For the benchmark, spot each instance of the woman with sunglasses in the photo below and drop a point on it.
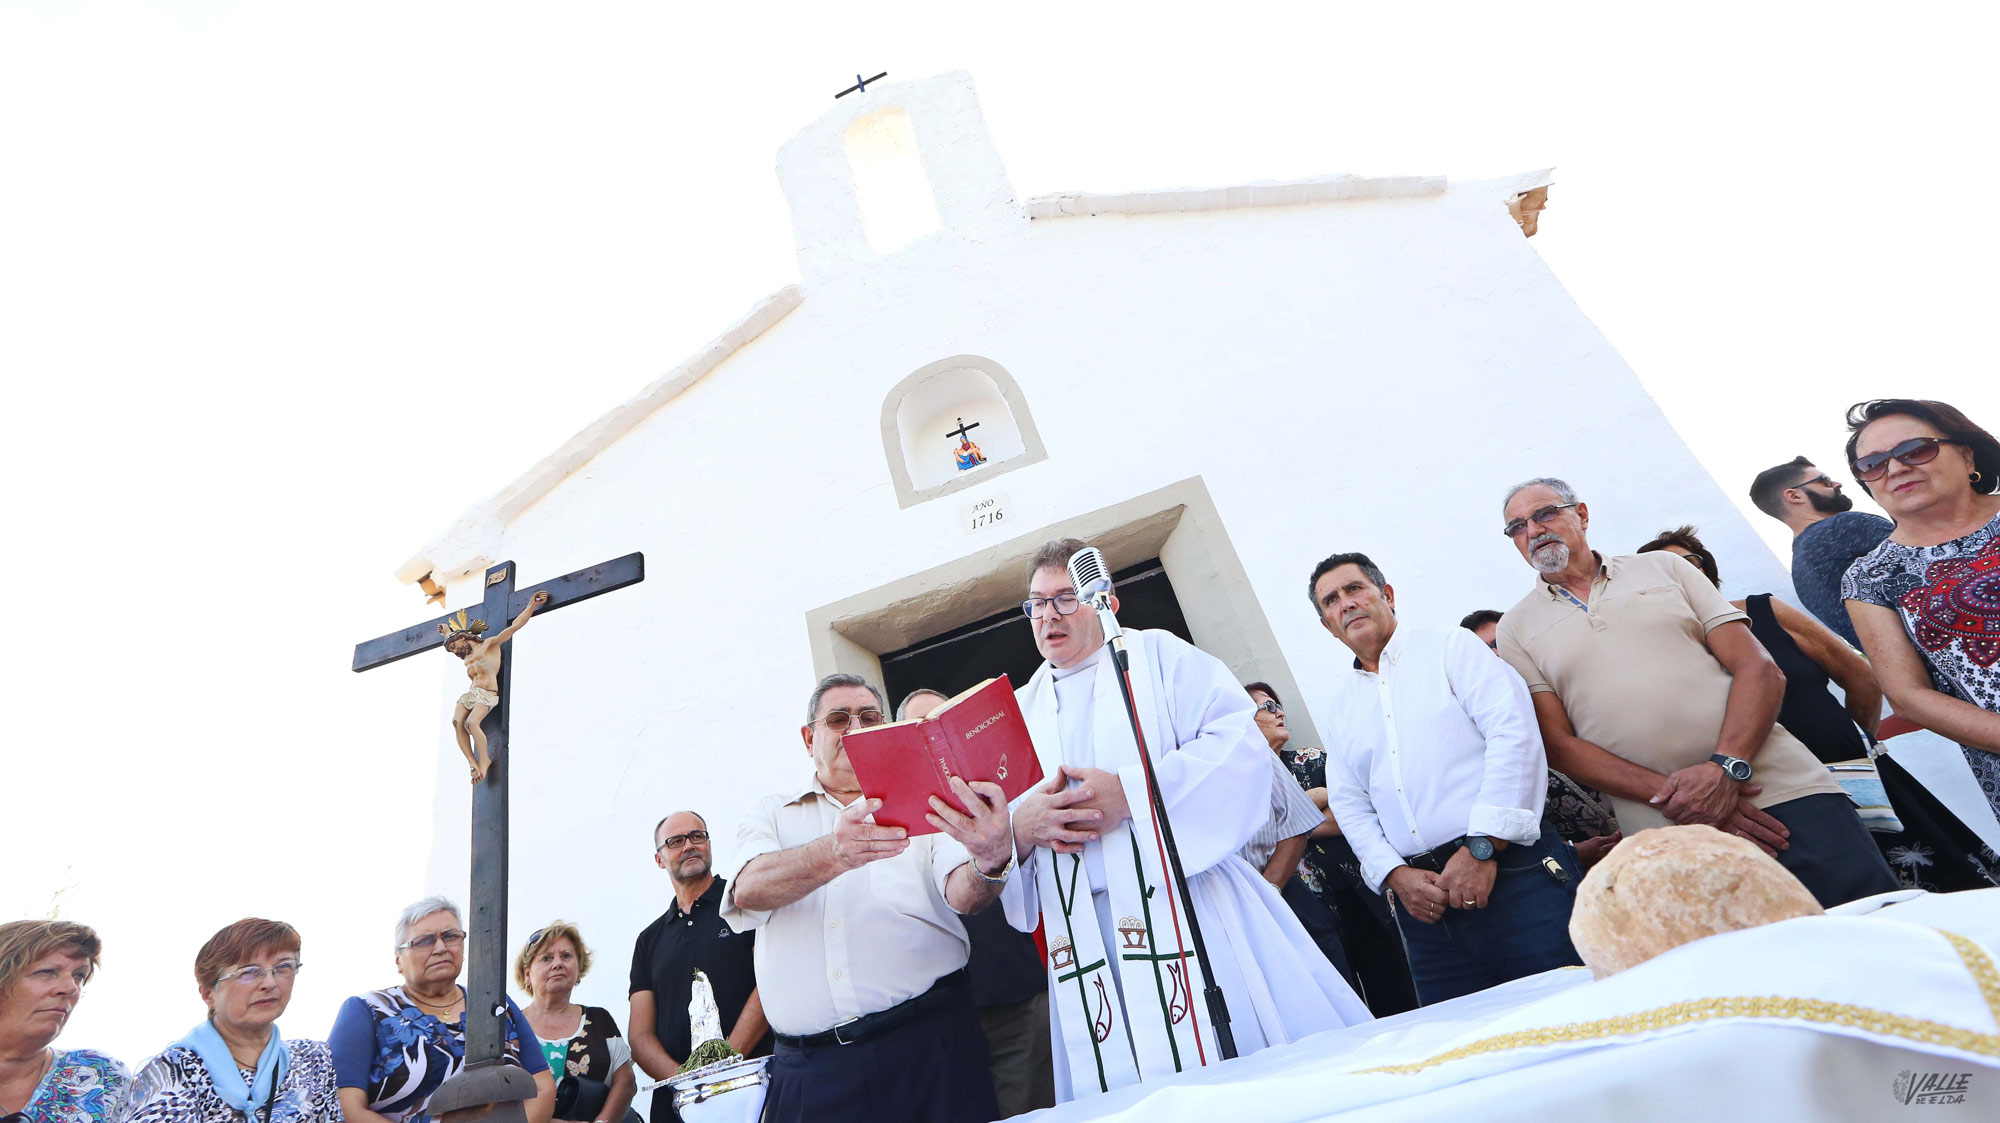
(43, 967)
(590, 1061)
(393, 1048)
(1926, 602)
(1926, 846)
(235, 1067)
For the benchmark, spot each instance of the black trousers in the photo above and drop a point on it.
(932, 1068)
(1831, 852)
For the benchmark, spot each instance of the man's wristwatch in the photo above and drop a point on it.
(1480, 846)
(1735, 769)
(995, 878)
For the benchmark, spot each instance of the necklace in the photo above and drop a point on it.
(431, 1007)
(47, 1064)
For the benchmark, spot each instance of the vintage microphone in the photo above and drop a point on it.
(1092, 580)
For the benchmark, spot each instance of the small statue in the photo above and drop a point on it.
(482, 666)
(968, 454)
(705, 1027)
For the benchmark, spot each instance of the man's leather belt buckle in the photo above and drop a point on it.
(839, 1038)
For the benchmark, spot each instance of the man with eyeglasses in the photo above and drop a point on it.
(1649, 687)
(1828, 535)
(1116, 957)
(860, 951)
(690, 936)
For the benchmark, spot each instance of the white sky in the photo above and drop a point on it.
(285, 287)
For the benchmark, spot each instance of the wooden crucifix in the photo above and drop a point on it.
(485, 1082)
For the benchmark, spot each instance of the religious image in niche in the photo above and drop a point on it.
(467, 639)
(967, 453)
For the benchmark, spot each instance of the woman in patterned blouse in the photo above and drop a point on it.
(43, 966)
(394, 1048)
(580, 1042)
(235, 1067)
(1926, 602)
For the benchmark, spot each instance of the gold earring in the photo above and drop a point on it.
(1976, 477)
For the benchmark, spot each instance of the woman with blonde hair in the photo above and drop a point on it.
(590, 1060)
(43, 966)
(235, 1067)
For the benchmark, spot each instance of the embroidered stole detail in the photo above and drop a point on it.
(1158, 980)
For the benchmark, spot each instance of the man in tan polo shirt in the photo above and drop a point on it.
(1649, 687)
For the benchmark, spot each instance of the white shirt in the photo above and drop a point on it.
(1441, 743)
(861, 943)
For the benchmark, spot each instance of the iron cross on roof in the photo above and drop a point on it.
(860, 85)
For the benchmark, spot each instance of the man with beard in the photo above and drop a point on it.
(690, 936)
(1828, 534)
(1649, 687)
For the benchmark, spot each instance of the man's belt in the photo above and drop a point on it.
(947, 990)
(1432, 861)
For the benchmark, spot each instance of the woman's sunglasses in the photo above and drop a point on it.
(1915, 451)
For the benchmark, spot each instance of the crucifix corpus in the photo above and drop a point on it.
(486, 1088)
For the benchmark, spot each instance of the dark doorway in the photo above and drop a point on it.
(1004, 643)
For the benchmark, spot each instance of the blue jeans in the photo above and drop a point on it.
(1523, 930)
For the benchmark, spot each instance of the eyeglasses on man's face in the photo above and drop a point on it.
(676, 841)
(451, 937)
(1915, 451)
(1065, 604)
(252, 975)
(1822, 478)
(1271, 706)
(840, 720)
(1541, 516)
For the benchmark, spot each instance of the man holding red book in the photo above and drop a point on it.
(1124, 983)
(860, 952)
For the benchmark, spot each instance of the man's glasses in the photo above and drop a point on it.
(1822, 478)
(840, 720)
(1915, 451)
(1542, 516)
(1271, 707)
(676, 841)
(451, 938)
(1693, 559)
(252, 975)
(1065, 604)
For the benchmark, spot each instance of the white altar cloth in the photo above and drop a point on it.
(1834, 1017)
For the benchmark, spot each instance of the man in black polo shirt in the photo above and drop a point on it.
(690, 936)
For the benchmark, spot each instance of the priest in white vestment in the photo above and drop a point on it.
(1126, 992)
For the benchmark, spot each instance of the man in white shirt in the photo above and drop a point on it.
(1436, 776)
(1126, 989)
(860, 951)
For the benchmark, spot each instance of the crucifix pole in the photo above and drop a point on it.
(486, 1088)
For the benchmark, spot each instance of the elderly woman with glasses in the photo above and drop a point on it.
(582, 1043)
(234, 1067)
(393, 1048)
(43, 966)
(1926, 602)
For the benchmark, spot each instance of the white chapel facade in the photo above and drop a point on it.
(1217, 386)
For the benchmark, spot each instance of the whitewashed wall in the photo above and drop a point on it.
(1344, 375)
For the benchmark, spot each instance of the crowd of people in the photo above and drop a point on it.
(1432, 848)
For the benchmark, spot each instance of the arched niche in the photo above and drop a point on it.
(920, 415)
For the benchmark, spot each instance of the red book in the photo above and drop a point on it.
(979, 735)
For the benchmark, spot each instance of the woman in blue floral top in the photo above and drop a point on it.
(393, 1048)
(43, 966)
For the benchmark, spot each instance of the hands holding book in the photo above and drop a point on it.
(986, 833)
(857, 841)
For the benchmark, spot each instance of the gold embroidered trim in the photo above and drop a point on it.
(1976, 961)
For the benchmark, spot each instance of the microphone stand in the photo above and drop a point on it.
(1218, 1007)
